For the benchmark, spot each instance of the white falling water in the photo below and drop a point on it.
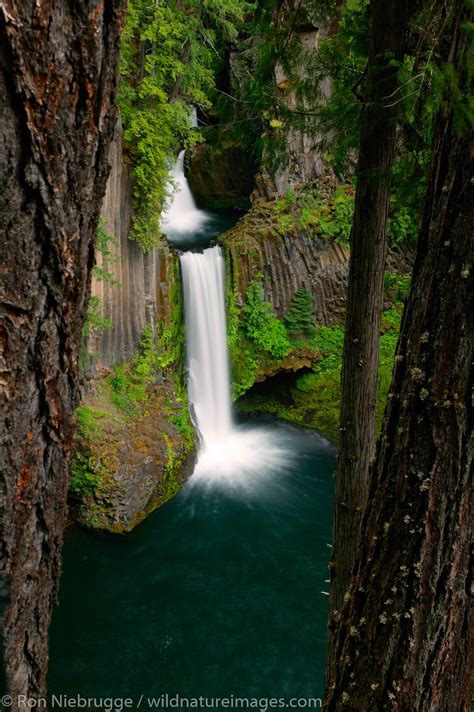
(208, 370)
(194, 118)
(182, 216)
(227, 453)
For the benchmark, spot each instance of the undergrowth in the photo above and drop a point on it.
(313, 398)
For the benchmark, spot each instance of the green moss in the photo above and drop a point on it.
(89, 420)
(129, 382)
(170, 333)
(143, 402)
(85, 477)
(313, 398)
(244, 362)
(178, 414)
(329, 217)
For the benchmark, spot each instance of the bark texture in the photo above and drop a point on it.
(403, 641)
(365, 294)
(58, 63)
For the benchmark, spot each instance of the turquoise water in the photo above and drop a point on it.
(216, 593)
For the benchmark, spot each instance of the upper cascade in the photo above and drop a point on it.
(194, 118)
(182, 216)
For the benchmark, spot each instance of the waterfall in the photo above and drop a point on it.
(207, 361)
(227, 453)
(230, 454)
(182, 216)
(194, 118)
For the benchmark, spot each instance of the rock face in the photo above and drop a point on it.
(287, 262)
(139, 462)
(142, 295)
(301, 159)
(284, 260)
(220, 177)
(135, 463)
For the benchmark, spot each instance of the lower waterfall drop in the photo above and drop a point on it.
(227, 452)
(208, 370)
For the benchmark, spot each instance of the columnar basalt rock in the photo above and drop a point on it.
(143, 281)
(219, 177)
(301, 159)
(257, 250)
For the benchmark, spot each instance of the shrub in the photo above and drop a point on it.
(129, 382)
(84, 479)
(262, 325)
(396, 286)
(403, 226)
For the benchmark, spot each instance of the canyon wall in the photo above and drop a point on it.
(135, 444)
(257, 249)
(301, 159)
(220, 177)
(141, 295)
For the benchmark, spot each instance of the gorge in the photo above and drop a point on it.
(255, 512)
(235, 242)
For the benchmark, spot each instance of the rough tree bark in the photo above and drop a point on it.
(58, 61)
(389, 19)
(403, 640)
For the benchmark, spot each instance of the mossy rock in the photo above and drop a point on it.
(136, 463)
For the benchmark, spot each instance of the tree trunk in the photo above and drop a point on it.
(403, 641)
(58, 63)
(365, 297)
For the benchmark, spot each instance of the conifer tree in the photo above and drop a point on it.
(300, 318)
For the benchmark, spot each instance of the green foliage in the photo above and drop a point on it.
(170, 343)
(396, 286)
(180, 416)
(333, 218)
(169, 57)
(312, 399)
(300, 319)
(84, 479)
(261, 324)
(103, 246)
(329, 342)
(85, 474)
(329, 217)
(283, 204)
(88, 420)
(95, 322)
(182, 421)
(129, 382)
(403, 226)
(391, 319)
